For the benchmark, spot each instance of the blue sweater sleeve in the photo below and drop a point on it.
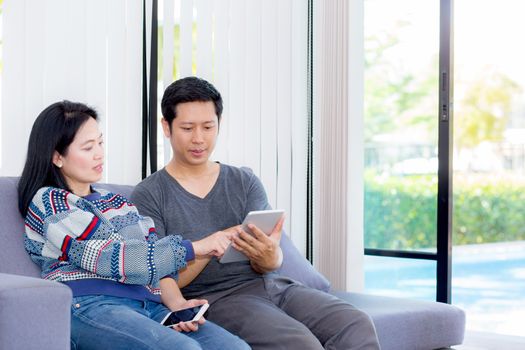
(87, 239)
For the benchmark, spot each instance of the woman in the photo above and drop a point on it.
(96, 243)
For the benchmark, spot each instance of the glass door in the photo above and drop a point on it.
(401, 145)
(489, 165)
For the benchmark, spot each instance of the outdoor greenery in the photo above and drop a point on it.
(489, 209)
(483, 113)
(401, 211)
(400, 104)
(400, 214)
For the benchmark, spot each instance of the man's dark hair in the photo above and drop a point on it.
(189, 89)
(54, 130)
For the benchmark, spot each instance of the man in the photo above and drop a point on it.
(195, 197)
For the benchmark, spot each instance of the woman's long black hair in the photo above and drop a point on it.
(54, 130)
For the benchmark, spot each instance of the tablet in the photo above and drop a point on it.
(265, 220)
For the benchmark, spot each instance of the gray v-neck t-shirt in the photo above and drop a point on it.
(174, 210)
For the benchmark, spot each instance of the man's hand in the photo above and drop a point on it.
(263, 250)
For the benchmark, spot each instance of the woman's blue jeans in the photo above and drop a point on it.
(106, 322)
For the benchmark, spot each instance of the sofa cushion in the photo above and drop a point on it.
(298, 268)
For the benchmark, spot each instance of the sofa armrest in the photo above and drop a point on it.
(410, 324)
(34, 313)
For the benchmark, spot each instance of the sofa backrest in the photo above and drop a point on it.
(15, 260)
(13, 256)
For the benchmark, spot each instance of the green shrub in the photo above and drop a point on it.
(400, 211)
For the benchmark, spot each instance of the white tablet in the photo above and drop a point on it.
(265, 220)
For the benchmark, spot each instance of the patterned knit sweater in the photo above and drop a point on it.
(72, 238)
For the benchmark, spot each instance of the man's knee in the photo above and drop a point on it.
(357, 331)
(298, 338)
(355, 321)
(363, 319)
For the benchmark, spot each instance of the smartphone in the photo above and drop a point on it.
(192, 314)
(201, 312)
(265, 220)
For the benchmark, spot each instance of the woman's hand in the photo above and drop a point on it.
(190, 326)
(213, 245)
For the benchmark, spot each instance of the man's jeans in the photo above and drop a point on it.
(106, 322)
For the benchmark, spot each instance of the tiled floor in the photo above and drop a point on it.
(491, 341)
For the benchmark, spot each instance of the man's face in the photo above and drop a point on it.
(193, 132)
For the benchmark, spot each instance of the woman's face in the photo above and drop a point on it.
(82, 163)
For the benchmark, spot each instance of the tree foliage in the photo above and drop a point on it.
(483, 112)
(396, 96)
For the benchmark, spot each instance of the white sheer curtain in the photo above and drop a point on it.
(255, 53)
(85, 50)
(338, 156)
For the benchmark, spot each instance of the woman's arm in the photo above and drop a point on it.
(64, 230)
(173, 299)
(170, 295)
(191, 271)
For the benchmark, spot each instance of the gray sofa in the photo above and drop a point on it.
(34, 313)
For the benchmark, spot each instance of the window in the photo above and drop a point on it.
(489, 166)
(404, 146)
(401, 135)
